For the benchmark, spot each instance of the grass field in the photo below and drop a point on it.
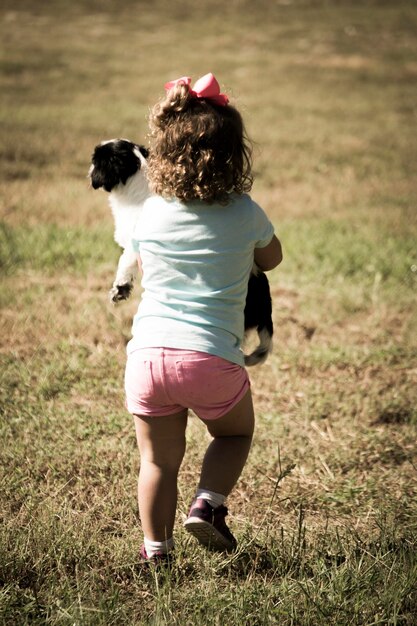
(326, 509)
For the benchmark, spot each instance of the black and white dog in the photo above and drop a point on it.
(119, 166)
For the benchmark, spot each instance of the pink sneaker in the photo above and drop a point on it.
(208, 525)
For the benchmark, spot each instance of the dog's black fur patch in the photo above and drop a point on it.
(258, 308)
(114, 163)
(258, 312)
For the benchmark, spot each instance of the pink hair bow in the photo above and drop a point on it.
(205, 87)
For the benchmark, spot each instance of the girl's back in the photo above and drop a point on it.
(196, 260)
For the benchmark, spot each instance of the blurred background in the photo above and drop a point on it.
(327, 89)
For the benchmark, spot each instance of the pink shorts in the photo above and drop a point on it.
(164, 381)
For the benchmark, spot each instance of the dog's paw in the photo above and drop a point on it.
(120, 292)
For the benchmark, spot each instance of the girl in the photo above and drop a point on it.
(197, 239)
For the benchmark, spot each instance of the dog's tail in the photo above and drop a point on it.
(258, 316)
(260, 354)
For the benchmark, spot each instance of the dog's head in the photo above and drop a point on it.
(114, 162)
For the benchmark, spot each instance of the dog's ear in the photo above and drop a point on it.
(102, 177)
(144, 151)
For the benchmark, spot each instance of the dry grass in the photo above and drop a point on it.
(325, 511)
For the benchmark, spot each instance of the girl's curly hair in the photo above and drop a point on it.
(199, 149)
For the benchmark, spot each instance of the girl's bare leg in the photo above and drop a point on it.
(226, 455)
(161, 442)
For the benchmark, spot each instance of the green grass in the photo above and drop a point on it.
(325, 511)
(51, 248)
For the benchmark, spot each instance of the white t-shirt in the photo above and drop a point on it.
(196, 261)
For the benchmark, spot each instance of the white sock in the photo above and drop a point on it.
(213, 498)
(152, 547)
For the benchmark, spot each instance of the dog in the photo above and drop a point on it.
(119, 167)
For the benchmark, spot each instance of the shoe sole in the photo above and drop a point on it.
(207, 534)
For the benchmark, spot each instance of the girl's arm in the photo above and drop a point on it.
(269, 257)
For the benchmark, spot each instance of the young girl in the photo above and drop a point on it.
(197, 239)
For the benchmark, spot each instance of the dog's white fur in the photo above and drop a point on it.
(125, 203)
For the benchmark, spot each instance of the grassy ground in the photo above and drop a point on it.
(325, 512)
